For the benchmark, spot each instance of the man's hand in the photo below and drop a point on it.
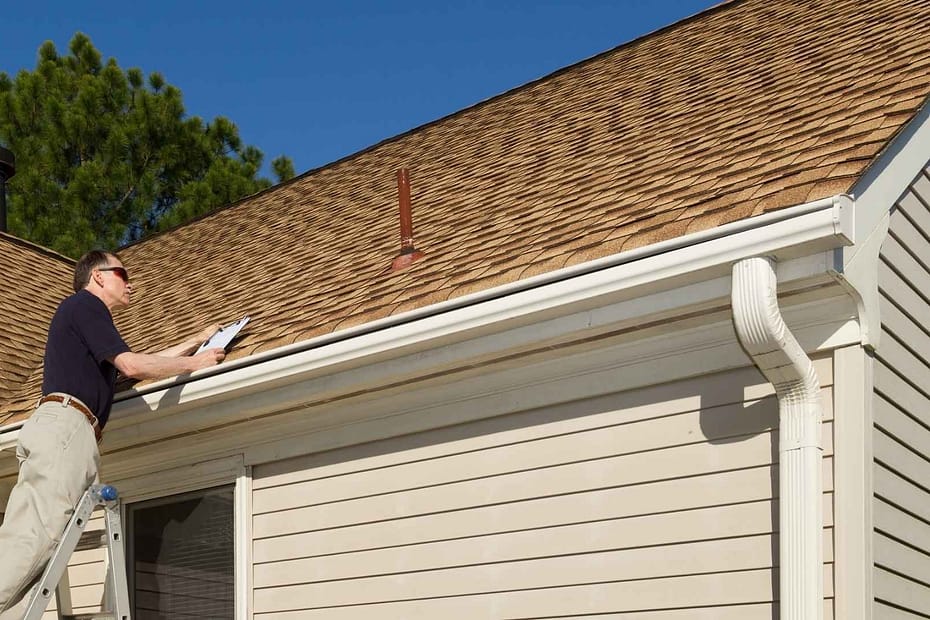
(210, 357)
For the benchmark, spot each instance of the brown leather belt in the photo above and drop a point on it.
(75, 404)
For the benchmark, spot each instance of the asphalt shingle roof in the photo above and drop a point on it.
(749, 107)
(34, 280)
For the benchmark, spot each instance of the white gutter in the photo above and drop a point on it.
(776, 352)
(804, 229)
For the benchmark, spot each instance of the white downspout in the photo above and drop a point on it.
(763, 333)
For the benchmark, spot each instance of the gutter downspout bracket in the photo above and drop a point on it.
(775, 351)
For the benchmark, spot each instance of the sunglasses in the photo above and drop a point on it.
(121, 272)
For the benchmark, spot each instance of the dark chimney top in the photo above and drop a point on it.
(7, 170)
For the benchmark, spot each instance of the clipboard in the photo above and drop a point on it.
(223, 336)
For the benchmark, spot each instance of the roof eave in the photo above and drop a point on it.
(805, 229)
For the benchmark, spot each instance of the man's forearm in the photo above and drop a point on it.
(185, 348)
(191, 344)
(145, 366)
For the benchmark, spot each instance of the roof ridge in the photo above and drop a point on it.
(572, 67)
(41, 249)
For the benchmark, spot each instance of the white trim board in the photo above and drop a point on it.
(853, 493)
(242, 521)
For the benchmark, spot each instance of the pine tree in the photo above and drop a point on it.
(105, 156)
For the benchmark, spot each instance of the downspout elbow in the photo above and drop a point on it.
(778, 355)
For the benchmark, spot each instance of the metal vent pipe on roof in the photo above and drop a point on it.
(408, 253)
(7, 170)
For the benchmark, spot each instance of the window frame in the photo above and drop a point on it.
(196, 477)
(130, 508)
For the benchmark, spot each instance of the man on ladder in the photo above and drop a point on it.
(57, 447)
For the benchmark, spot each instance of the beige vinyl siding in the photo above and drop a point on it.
(655, 503)
(901, 435)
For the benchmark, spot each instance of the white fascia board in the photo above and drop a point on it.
(648, 282)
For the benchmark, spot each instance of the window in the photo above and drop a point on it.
(182, 555)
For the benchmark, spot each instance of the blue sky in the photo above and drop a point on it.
(322, 80)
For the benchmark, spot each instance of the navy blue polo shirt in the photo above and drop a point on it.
(81, 337)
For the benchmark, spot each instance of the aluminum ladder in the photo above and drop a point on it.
(56, 575)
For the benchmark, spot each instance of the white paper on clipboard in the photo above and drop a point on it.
(223, 336)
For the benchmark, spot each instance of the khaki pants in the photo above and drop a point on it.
(58, 460)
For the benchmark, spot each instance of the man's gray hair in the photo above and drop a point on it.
(86, 265)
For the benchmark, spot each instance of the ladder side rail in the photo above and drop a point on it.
(58, 563)
(116, 555)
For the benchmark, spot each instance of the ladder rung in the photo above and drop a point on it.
(104, 615)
